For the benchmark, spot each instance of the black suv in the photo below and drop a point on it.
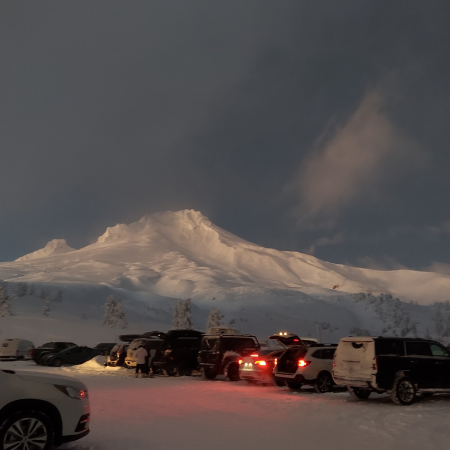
(180, 354)
(400, 366)
(176, 353)
(220, 354)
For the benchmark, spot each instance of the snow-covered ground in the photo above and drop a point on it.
(192, 413)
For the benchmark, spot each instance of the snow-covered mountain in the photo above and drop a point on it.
(171, 255)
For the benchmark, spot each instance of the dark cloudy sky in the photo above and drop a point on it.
(318, 126)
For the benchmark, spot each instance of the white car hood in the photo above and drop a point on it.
(49, 378)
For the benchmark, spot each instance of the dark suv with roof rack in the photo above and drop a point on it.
(401, 366)
(220, 354)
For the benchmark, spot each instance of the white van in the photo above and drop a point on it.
(15, 349)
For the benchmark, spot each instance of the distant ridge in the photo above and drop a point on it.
(183, 254)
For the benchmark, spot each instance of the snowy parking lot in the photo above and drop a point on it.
(192, 413)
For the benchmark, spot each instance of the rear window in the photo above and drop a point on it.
(5, 344)
(388, 347)
(208, 344)
(115, 348)
(238, 344)
(185, 342)
(418, 349)
(48, 345)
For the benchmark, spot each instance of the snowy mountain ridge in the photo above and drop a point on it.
(172, 255)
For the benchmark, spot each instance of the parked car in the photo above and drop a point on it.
(15, 349)
(38, 410)
(153, 345)
(117, 355)
(50, 347)
(306, 364)
(401, 366)
(180, 353)
(220, 354)
(259, 366)
(70, 356)
(105, 347)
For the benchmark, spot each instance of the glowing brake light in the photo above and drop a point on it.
(375, 363)
(275, 361)
(240, 361)
(254, 355)
(303, 363)
(261, 363)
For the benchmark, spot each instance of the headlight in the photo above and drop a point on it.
(73, 392)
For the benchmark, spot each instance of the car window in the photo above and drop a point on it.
(70, 345)
(49, 345)
(388, 347)
(238, 344)
(418, 348)
(438, 350)
(185, 342)
(208, 344)
(318, 354)
(329, 353)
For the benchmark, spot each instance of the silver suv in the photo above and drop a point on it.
(302, 364)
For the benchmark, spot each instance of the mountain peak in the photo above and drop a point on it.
(153, 224)
(54, 247)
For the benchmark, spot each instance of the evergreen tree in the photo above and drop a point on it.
(182, 317)
(59, 295)
(5, 305)
(214, 319)
(22, 289)
(114, 313)
(47, 307)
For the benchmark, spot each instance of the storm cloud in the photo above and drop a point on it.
(261, 114)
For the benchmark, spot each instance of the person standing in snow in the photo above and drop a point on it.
(141, 361)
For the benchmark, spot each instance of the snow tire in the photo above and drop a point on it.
(403, 392)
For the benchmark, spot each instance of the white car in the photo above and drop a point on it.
(305, 364)
(38, 410)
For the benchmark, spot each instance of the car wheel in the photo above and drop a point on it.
(232, 371)
(403, 392)
(324, 383)
(210, 374)
(359, 394)
(294, 385)
(25, 430)
(57, 362)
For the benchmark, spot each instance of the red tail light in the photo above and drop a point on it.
(254, 355)
(240, 361)
(261, 363)
(275, 361)
(303, 363)
(119, 352)
(375, 363)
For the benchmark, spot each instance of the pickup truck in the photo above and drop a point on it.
(50, 347)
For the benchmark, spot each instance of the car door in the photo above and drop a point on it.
(73, 355)
(442, 365)
(422, 364)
